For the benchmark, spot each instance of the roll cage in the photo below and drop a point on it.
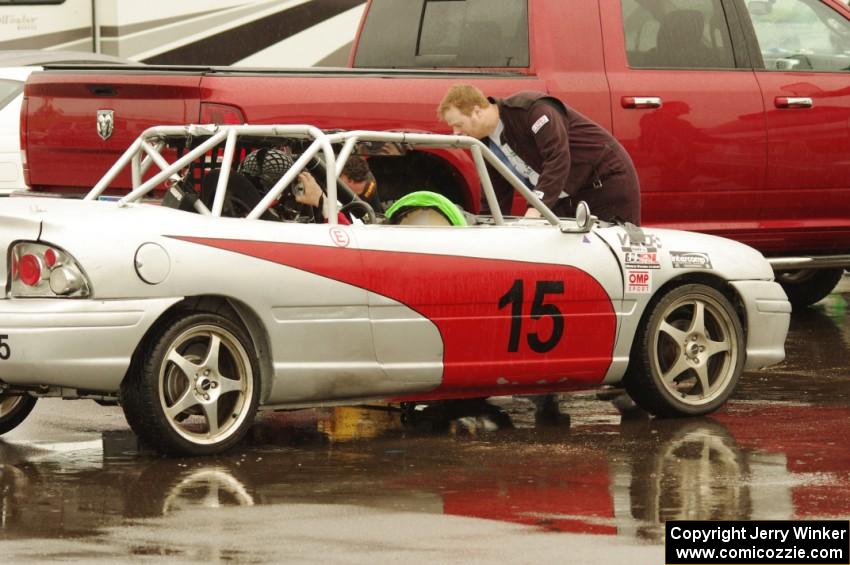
(196, 141)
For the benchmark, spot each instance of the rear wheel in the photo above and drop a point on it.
(689, 355)
(804, 287)
(196, 388)
(14, 409)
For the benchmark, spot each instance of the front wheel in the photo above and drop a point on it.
(196, 387)
(14, 409)
(689, 355)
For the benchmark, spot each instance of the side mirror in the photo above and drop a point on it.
(584, 220)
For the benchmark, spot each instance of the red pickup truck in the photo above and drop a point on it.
(736, 113)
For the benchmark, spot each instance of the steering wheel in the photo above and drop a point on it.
(366, 212)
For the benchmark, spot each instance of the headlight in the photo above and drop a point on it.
(39, 270)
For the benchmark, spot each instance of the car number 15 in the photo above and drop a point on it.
(5, 350)
(539, 309)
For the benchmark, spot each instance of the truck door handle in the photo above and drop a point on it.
(640, 102)
(103, 90)
(793, 102)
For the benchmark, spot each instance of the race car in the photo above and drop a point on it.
(225, 296)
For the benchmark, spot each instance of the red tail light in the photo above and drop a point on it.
(45, 271)
(29, 269)
(221, 114)
(23, 134)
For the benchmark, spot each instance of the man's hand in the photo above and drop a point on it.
(312, 193)
(533, 213)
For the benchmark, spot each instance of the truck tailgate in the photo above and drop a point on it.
(63, 138)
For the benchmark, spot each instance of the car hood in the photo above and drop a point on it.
(679, 252)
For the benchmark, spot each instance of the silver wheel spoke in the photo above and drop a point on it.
(211, 413)
(211, 362)
(229, 385)
(676, 334)
(702, 374)
(677, 369)
(698, 321)
(715, 347)
(186, 401)
(189, 369)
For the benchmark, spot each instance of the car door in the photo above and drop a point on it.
(687, 107)
(489, 308)
(801, 51)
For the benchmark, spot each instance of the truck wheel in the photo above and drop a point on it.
(807, 286)
(689, 355)
(196, 387)
(14, 409)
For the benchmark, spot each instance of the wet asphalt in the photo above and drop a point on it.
(475, 484)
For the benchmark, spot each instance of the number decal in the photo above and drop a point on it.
(539, 309)
(5, 350)
(514, 297)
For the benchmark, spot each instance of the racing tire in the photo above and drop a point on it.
(804, 287)
(688, 355)
(195, 388)
(14, 409)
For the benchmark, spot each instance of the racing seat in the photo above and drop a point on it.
(425, 208)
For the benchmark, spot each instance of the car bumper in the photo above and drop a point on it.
(768, 317)
(78, 344)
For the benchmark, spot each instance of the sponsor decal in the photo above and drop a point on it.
(105, 123)
(642, 260)
(690, 260)
(650, 243)
(542, 121)
(639, 282)
(340, 237)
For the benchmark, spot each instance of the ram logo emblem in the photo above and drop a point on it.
(105, 123)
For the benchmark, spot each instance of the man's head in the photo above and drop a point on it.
(468, 112)
(357, 176)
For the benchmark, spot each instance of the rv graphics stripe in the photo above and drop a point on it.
(235, 44)
(493, 315)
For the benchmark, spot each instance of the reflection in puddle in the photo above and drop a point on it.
(625, 479)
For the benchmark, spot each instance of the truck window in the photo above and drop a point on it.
(800, 35)
(444, 33)
(677, 34)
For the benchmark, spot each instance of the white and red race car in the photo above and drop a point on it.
(194, 320)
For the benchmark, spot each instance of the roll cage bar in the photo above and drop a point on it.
(146, 150)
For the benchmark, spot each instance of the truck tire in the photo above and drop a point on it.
(804, 287)
(195, 388)
(688, 355)
(14, 409)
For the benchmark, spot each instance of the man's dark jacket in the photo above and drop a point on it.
(572, 155)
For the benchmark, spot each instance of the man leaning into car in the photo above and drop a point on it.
(561, 155)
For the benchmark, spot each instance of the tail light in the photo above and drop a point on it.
(23, 135)
(45, 271)
(221, 114)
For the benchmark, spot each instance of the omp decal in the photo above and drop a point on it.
(499, 319)
(339, 237)
(641, 260)
(690, 260)
(639, 282)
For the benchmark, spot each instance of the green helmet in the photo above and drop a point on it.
(426, 199)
